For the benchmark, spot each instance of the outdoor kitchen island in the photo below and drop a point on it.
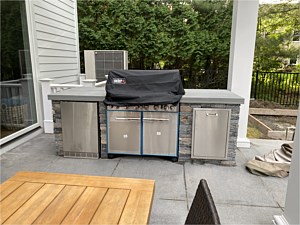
(213, 140)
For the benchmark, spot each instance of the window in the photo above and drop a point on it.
(18, 109)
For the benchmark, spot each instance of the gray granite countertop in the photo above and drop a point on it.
(211, 96)
(88, 94)
(80, 94)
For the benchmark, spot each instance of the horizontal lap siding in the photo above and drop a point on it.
(56, 40)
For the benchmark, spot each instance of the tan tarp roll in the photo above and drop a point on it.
(275, 163)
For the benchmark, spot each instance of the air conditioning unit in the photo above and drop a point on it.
(99, 62)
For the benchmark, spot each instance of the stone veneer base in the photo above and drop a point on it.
(185, 131)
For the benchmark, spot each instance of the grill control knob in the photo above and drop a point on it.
(156, 107)
(166, 107)
(111, 106)
(171, 107)
(146, 107)
(137, 107)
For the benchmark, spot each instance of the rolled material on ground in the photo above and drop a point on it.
(275, 163)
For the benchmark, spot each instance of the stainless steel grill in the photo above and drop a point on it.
(143, 112)
(143, 130)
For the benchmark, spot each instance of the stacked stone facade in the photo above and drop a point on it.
(102, 123)
(56, 110)
(185, 131)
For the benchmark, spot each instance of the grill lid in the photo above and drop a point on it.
(143, 87)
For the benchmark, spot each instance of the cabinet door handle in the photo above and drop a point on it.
(212, 114)
(155, 119)
(122, 118)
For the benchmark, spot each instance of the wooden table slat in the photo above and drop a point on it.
(68, 196)
(80, 213)
(49, 198)
(16, 199)
(39, 201)
(8, 187)
(111, 207)
(134, 212)
(82, 180)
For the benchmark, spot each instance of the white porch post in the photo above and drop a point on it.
(82, 77)
(292, 205)
(47, 106)
(243, 36)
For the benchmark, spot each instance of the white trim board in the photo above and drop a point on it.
(15, 143)
(280, 220)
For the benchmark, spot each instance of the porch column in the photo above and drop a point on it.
(47, 105)
(292, 204)
(243, 34)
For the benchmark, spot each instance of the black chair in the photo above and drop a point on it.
(203, 209)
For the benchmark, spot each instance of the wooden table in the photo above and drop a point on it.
(49, 198)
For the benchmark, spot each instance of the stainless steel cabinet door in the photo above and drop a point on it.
(79, 128)
(210, 133)
(160, 133)
(124, 129)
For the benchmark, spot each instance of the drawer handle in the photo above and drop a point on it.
(212, 114)
(122, 118)
(155, 119)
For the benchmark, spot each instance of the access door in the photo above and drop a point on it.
(124, 128)
(160, 133)
(80, 129)
(210, 133)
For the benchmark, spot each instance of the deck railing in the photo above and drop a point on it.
(11, 89)
(17, 92)
(278, 87)
(16, 99)
(48, 87)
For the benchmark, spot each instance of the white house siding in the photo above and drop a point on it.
(55, 32)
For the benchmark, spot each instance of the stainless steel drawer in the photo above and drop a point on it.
(210, 133)
(124, 128)
(80, 129)
(160, 133)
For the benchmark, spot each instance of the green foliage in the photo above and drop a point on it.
(276, 26)
(193, 36)
(11, 39)
(297, 69)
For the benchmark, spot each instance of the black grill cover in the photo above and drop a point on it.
(143, 87)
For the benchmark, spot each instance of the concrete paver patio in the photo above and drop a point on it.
(240, 197)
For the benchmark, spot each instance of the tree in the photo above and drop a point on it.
(213, 42)
(11, 40)
(193, 36)
(276, 26)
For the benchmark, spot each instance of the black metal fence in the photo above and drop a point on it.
(282, 88)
